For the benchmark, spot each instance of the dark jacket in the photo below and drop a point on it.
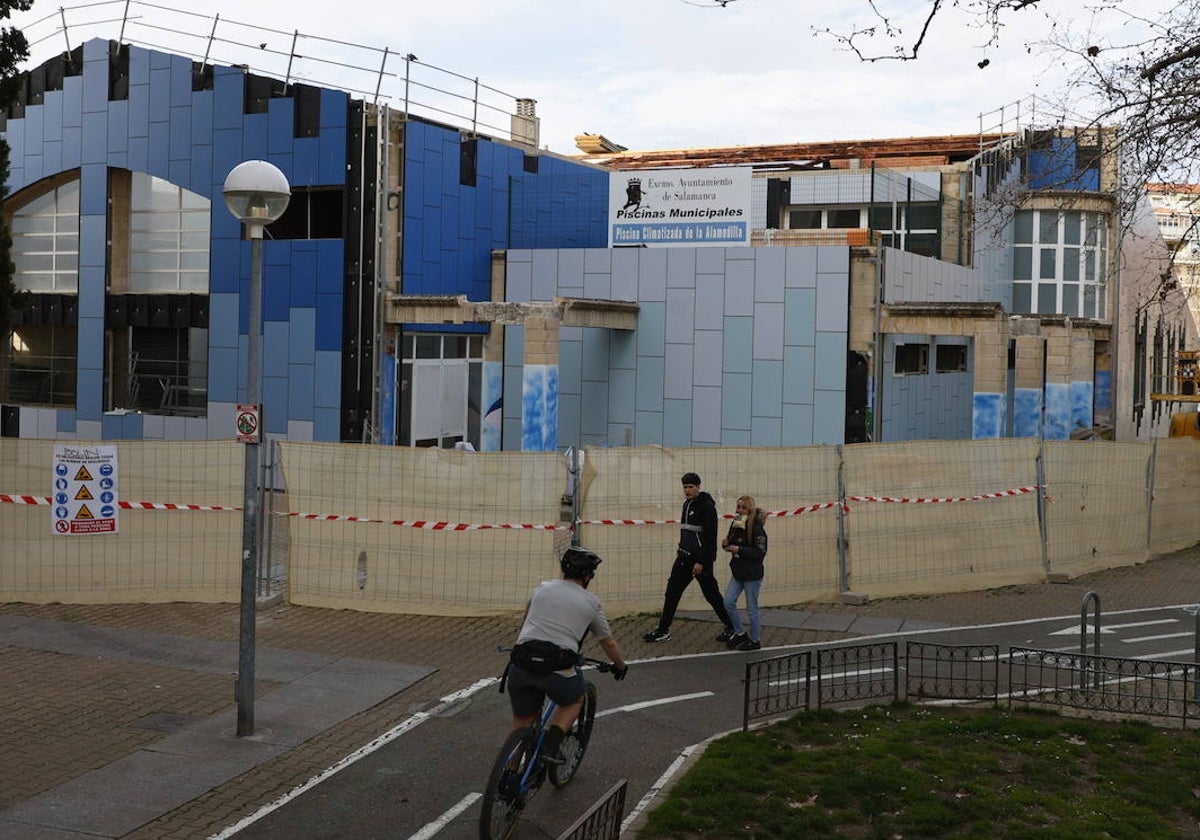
(698, 529)
(747, 564)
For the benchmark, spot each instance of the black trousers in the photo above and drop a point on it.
(681, 576)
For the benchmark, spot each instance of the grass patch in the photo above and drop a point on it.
(903, 771)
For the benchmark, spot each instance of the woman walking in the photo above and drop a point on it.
(746, 543)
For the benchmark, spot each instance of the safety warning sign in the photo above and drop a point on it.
(85, 490)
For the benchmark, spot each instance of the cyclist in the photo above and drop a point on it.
(558, 616)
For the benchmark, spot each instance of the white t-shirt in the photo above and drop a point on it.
(561, 611)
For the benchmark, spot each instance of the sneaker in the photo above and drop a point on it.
(736, 639)
(725, 635)
(551, 758)
(749, 645)
(657, 635)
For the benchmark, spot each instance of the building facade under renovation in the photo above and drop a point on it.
(434, 285)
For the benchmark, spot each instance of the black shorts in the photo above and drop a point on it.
(526, 690)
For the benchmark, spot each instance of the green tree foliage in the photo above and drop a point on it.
(14, 49)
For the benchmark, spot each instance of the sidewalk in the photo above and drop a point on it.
(118, 721)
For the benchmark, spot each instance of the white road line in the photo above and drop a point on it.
(646, 704)
(1169, 653)
(1141, 623)
(1156, 638)
(832, 676)
(362, 752)
(441, 822)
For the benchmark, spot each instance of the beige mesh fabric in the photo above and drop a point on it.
(925, 547)
(390, 564)
(158, 555)
(1175, 517)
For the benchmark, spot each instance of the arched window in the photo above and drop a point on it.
(45, 247)
(168, 237)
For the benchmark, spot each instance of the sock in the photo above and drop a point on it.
(553, 742)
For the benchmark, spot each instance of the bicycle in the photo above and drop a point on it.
(518, 773)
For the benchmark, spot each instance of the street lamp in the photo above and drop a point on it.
(257, 193)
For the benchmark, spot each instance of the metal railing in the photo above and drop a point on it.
(378, 74)
(603, 820)
(30, 379)
(952, 672)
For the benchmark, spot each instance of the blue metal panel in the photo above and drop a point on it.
(333, 110)
(331, 167)
(281, 121)
(300, 392)
(275, 404)
(306, 162)
(736, 403)
(139, 110)
(224, 260)
(327, 425)
(181, 81)
(91, 344)
(329, 322)
(800, 317)
(118, 128)
(138, 156)
(328, 390)
(304, 276)
(95, 129)
(650, 377)
(52, 116)
(180, 133)
(88, 395)
(737, 355)
(52, 156)
(706, 416)
(228, 98)
(64, 420)
(179, 171)
(594, 421)
(621, 388)
(224, 365)
(678, 366)
(651, 329)
(160, 91)
(276, 296)
(707, 354)
(160, 137)
(255, 131)
(199, 177)
(132, 426)
(139, 66)
(202, 118)
(570, 362)
(330, 266)
(72, 101)
(275, 349)
(227, 152)
(93, 244)
(95, 84)
(223, 320)
(1058, 411)
(111, 426)
(595, 355)
(302, 336)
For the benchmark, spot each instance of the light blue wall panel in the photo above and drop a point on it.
(800, 268)
(95, 125)
(650, 373)
(767, 398)
(72, 148)
(622, 350)
(595, 355)
(275, 342)
(160, 91)
(52, 116)
(652, 275)
(651, 330)
(769, 272)
(625, 270)
(275, 401)
(736, 402)
(800, 316)
(649, 428)
(738, 349)
(706, 369)
(570, 364)
(766, 431)
(710, 301)
(89, 393)
(706, 415)
(768, 330)
(224, 365)
(738, 285)
(327, 390)
(118, 128)
(328, 424)
(621, 389)
(677, 423)
(681, 315)
(830, 364)
(799, 380)
(301, 391)
(72, 102)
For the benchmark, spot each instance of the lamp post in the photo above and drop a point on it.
(257, 193)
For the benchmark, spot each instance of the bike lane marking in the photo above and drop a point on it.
(445, 819)
(646, 704)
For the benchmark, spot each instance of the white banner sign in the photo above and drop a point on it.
(85, 490)
(679, 207)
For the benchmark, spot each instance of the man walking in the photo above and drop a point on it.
(694, 559)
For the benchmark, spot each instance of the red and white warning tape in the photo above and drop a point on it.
(1016, 491)
(424, 525)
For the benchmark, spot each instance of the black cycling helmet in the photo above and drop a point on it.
(579, 563)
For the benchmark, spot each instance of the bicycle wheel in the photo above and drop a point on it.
(503, 799)
(575, 742)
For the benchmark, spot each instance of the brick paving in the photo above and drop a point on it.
(63, 715)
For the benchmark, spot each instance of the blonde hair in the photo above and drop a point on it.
(752, 514)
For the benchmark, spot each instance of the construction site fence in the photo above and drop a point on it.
(448, 532)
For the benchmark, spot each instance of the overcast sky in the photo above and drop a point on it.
(648, 74)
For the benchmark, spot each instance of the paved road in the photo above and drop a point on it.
(427, 783)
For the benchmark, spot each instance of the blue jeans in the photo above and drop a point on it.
(732, 592)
